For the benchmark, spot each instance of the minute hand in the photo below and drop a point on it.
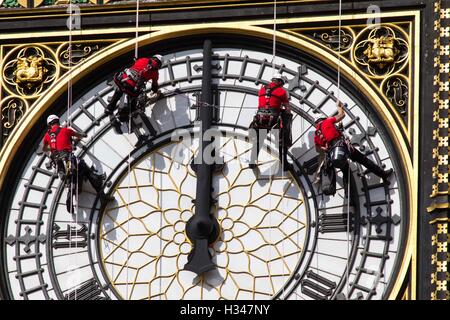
(203, 228)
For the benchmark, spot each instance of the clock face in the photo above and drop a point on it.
(280, 237)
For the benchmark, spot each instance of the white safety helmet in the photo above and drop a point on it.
(159, 57)
(52, 118)
(280, 77)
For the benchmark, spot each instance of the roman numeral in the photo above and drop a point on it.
(335, 222)
(69, 238)
(88, 291)
(317, 287)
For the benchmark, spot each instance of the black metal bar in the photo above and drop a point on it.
(202, 229)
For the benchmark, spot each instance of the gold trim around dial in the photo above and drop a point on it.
(246, 28)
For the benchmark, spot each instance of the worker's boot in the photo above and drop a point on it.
(387, 174)
(117, 126)
(104, 198)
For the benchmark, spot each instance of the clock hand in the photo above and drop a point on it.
(203, 229)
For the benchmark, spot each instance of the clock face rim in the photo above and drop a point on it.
(397, 163)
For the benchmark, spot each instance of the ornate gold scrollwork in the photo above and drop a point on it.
(12, 110)
(383, 51)
(29, 70)
(332, 40)
(80, 51)
(395, 88)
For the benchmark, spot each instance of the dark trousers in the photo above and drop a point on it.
(261, 134)
(125, 110)
(360, 158)
(74, 180)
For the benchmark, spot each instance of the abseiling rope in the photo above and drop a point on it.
(349, 169)
(69, 106)
(268, 131)
(136, 47)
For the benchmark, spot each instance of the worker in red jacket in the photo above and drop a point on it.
(273, 106)
(132, 81)
(329, 140)
(58, 141)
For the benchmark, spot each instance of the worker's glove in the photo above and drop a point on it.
(152, 97)
(142, 100)
(49, 165)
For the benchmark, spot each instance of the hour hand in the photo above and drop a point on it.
(202, 229)
(199, 260)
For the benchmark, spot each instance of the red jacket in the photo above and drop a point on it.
(62, 142)
(328, 132)
(278, 96)
(145, 71)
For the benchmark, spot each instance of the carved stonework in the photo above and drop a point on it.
(29, 70)
(382, 52)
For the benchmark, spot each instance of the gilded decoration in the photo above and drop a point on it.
(380, 51)
(440, 195)
(29, 70)
(41, 3)
(12, 110)
(395, 89)
(335, 40)
(80, 52)
(40, 104)
(34, 3)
